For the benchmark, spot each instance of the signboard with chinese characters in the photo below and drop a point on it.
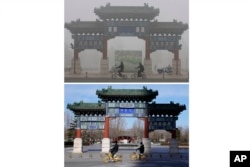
(129, 112)
(126, 28)
(92, 125)
(126, 109)
(162, 123)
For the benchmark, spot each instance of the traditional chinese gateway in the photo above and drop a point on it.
(136, 21)
(127, 103)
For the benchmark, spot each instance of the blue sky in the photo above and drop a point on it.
(178, 93)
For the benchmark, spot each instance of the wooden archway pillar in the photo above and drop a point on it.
(78, 128)
(146, 141)
(105, 48)
(77, 145)
(106, 128)
(147, 48)
(78, 132)
(173, 133)
(177, 61)
(106, 139)
(147, 60)
(104, 66)
(146, 128)
(76, 55)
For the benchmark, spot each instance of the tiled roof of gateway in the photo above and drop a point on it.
(170, 109)
(131, 92)
(109, 11)
(170, 27)
(85, 26)
(143, 94)
(86, 106)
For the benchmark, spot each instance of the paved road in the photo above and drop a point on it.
(107, 78)
(72, 79)
(159, 157)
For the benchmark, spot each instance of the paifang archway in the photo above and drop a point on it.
(127, 102)
(126, 21)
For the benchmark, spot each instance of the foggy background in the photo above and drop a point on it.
(90, 59)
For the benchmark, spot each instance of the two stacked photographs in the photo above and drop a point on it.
(126, 83)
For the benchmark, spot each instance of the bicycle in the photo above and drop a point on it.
(137, 156)
(114, 74)
(107, 157)
(135, 75)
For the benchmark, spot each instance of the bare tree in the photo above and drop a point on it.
(138, 128)
(183, 134)
(91, 136)
(68, 119)
(159, 136)
(116, 127)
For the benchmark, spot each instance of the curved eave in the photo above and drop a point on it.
(87, 110)
(166, 109)
(167, 27)
(85, 27)
(144, 12)
(166, 31)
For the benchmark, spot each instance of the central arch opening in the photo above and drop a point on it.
(126, 129)
(132, 45)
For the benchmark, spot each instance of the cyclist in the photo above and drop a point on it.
(115, 149)
(141, 149)
(121, 69)
(141, 70)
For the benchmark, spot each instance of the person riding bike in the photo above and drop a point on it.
(141, 70)
(121, 69)
(141, 148)
(114, 150)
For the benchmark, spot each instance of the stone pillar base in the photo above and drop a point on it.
(77, 147)
(148, 67)
(147, 145)
(104, 66)
(174, 146)
(105, 145)
(78, 68)
(176, 64)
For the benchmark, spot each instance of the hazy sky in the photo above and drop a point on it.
(169, 10)
(178, 93)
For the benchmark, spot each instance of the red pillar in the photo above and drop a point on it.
(147, 47)
(105, 48)
(146, 131)
(173, 133)
(176, 57)
(106, 128)
(75, 58)
(78, 133)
